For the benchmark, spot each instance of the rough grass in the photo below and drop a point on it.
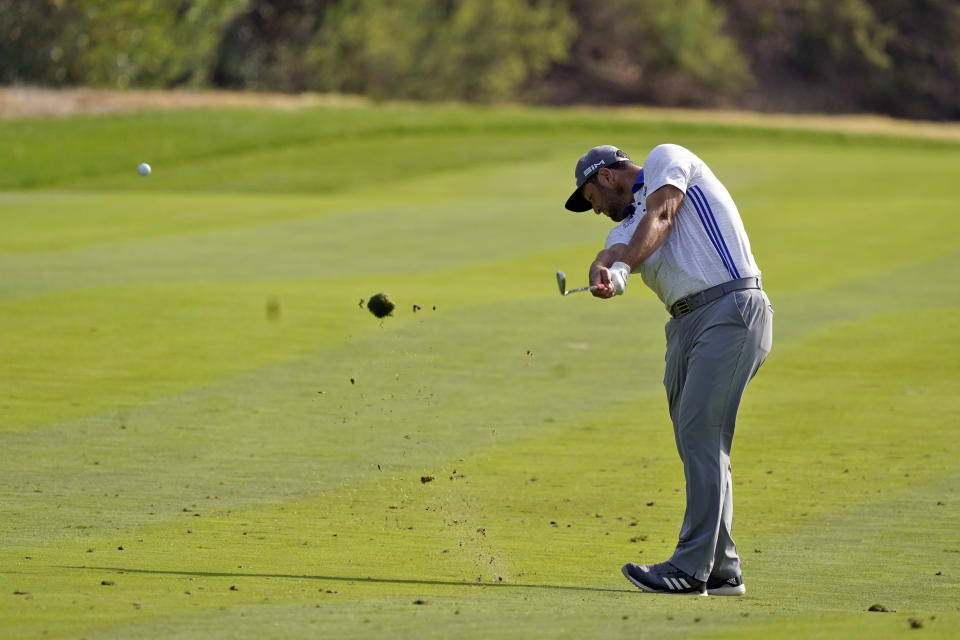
(188, 374)
(37, 102)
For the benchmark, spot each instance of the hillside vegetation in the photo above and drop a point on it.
(882, 56)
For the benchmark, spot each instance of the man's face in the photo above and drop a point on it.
(607, 197)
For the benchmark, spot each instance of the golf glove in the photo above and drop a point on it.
(619, 272)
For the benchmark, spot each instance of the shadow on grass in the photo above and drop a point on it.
(369, 580)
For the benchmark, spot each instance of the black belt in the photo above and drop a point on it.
(683, 306)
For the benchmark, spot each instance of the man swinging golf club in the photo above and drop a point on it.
(679, 227)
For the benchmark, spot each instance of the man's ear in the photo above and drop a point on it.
(605, 177)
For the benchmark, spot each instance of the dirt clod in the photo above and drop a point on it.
(380, 305)
(426, 479)
(878, 607)
(273, 309)
(419, 602)
(234, 587)
(916, 623)
(107, 583)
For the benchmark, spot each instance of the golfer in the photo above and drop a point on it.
(680, 229)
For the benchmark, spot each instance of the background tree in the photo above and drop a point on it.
(31, 48)
(669, 52)
(453, 49)
(886, 56)
(120, 43)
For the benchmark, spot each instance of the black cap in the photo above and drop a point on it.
(591, 162)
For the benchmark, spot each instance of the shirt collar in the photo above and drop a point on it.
(637, 185)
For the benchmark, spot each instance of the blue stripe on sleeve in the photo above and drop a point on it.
(695, 195)
(729, 262)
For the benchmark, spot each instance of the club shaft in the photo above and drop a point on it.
(590, 288)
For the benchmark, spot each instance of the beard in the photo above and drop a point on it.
(620, 204)
(622, 215)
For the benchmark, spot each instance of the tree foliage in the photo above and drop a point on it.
(30, 48)
(118, 43)
(888, 56)
(463, 49)
(673, 51)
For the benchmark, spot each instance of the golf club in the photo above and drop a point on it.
(562, 284)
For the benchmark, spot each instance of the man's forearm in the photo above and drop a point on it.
(604, 260)
(648, 237)
(652, 230)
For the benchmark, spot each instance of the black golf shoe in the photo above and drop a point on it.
(726, 586)
(664, 578)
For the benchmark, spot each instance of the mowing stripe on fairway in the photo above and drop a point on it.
(189, 374)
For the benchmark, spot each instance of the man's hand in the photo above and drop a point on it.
(619, 272)
(600, 280)
(600, 271)
(601, 290)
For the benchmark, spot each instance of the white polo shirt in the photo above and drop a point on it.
(707, 245)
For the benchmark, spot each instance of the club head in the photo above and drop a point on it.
(562, 283)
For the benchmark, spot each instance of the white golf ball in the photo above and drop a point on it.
(143, 169)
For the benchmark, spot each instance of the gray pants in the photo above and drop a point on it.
(712, 353)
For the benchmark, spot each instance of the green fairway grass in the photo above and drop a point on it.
(205, 434)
